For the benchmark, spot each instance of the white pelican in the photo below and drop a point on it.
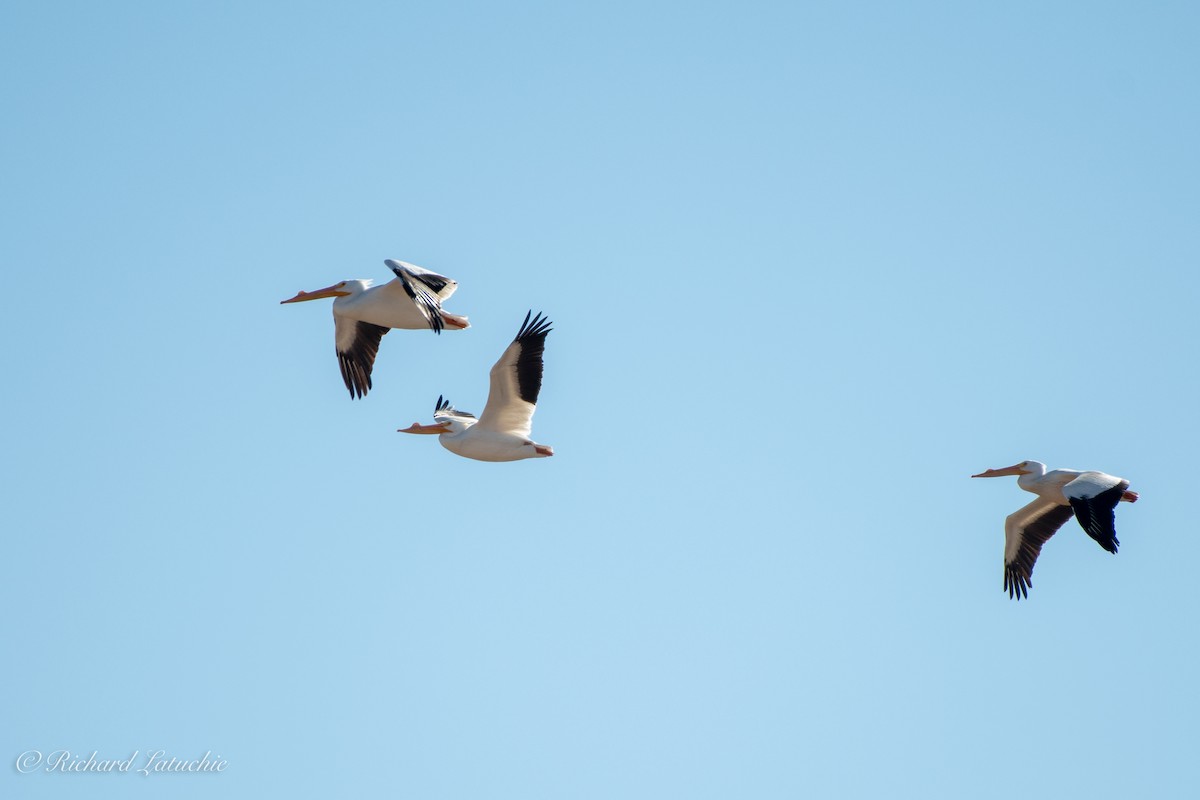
(502, 432)
(363, 313)
(1090, 496)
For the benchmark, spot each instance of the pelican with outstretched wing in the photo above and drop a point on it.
(1090, 497)
(363, 313)
(502, 432)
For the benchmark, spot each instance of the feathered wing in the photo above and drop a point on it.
(426, 289)
(516, 380)
(440, 285)
(1094, 496)
(357, 343)
(443, 410)
(1025, 531)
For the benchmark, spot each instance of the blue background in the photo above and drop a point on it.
(810, 265)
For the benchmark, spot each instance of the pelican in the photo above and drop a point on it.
(363, 313)
(502, 432)
(1090, 496)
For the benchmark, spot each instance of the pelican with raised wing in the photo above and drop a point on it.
(1091, 497)
(363, 313)
(503, 429)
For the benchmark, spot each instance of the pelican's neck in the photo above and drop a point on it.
(458, 426)
(1029, 481)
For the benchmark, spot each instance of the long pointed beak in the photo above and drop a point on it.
(1015, 469)
(416, 427)
(328, 291)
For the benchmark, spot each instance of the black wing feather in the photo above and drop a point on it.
(444, 406)
(532, 338)
(1018, 573)
(435, 282)
(357, 362)
(1097, 515)
(427, 302)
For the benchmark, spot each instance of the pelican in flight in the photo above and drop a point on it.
(363, 313)
(502, 432)
(1091, 497)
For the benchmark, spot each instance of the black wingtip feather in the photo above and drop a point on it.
(357, 362)
(428, 304)
(532, 338)
(540, 326)
(1097, 515)
(431, 279)
(443, 405)
(1016, 584)
(1018, 573)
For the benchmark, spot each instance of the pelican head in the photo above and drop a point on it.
(339, 289)
(1024, 468)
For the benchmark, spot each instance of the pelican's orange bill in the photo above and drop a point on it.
(416, 427)
(328, 291)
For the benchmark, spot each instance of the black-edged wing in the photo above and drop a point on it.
(426, 289)
(1025, 531)
(442, 286)
(516, 380)
(443, 409)
(357, 344)
(1094, 496)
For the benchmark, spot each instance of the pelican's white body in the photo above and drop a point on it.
(502, 432)
(488, 445)
(363, 313)
(1090, 497)
(1052, 485)
(388, 304)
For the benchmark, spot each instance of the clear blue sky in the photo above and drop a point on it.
(810, 267)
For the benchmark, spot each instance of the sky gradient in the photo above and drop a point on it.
(810, 267)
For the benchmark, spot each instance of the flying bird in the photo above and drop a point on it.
(1091, 497)
(502, 432)
(363, 313)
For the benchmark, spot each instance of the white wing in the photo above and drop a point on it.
(443, 410)
(1090, 484)
(423, 295)
(516, 380)
(440, 285)
(1025, 531)
(357, 343)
